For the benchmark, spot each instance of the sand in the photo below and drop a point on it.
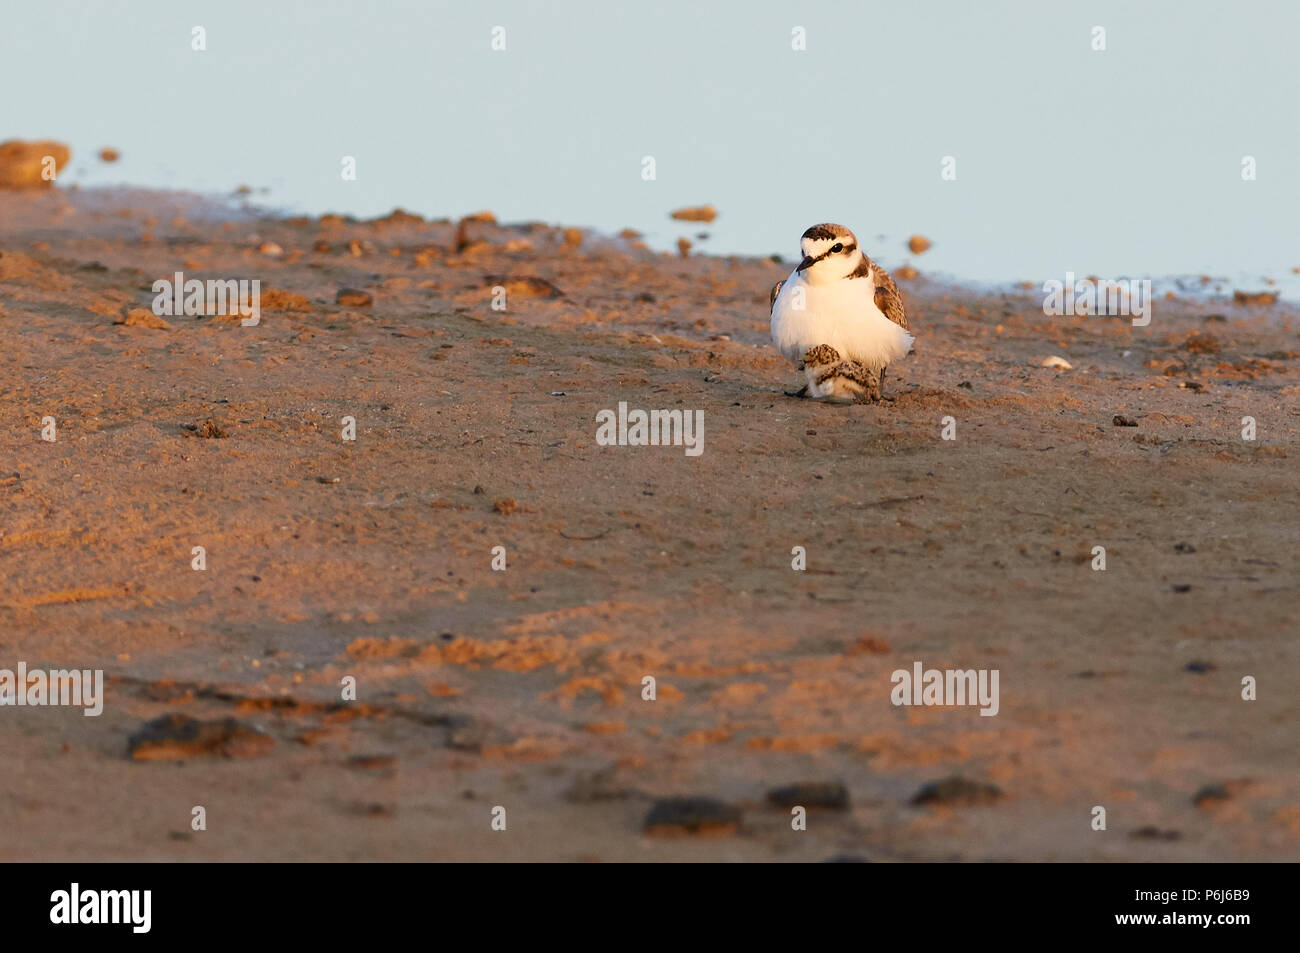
(521, 689)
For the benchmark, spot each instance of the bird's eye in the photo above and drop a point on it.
(836, 248)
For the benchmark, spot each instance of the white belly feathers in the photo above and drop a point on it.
(841, 314)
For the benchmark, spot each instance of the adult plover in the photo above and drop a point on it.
(839, 317)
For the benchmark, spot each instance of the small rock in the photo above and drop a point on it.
(487, 218)
(1119, 420)
(1184, 548)
(523, 286)
(400, 216)
(368, 809)
(209, 430)
(505, 507)
(1202, 343)
(1254, 297)
(353, 298)
(322, 479)
(684, 247)
(906, 273)
(142, 318)
(1200, 668)
(23, 164)
(1211, 794)
(957, 791)
(1150, 832)
(372, 762)
(691, 815)
(695, 213)
(917, 244)
(271, 249)
(572, 237)
(176, 737)
(322, 247)
(1058, 362)
(827, 795)
(109, 154)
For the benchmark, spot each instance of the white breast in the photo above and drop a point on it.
(841, 314)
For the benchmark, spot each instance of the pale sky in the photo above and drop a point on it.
(1126, 162)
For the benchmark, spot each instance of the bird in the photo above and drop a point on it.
(839, 317)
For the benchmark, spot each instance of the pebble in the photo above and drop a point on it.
(957, 791)
(142, 318)
(175, 737)
(917, 244)
(523, 286)
(695, 213)
(353, 298)
(1211, 794)
(827, 795)
(22, 164)
(691, 815)
(1151, 832)
(208, 429)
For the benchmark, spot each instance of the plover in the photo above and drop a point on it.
(839, 317)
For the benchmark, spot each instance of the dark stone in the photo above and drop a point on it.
(1211, 794)
(691, 815)
(176, 737)
(957, 791)
(354, 298)
(827, 795)
(1150, 832)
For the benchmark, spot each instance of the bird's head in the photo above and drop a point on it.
(829, 252)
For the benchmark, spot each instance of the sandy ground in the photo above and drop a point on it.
(522, 689)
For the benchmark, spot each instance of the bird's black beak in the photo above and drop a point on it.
(806, 263)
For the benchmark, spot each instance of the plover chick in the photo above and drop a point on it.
(839, 317)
